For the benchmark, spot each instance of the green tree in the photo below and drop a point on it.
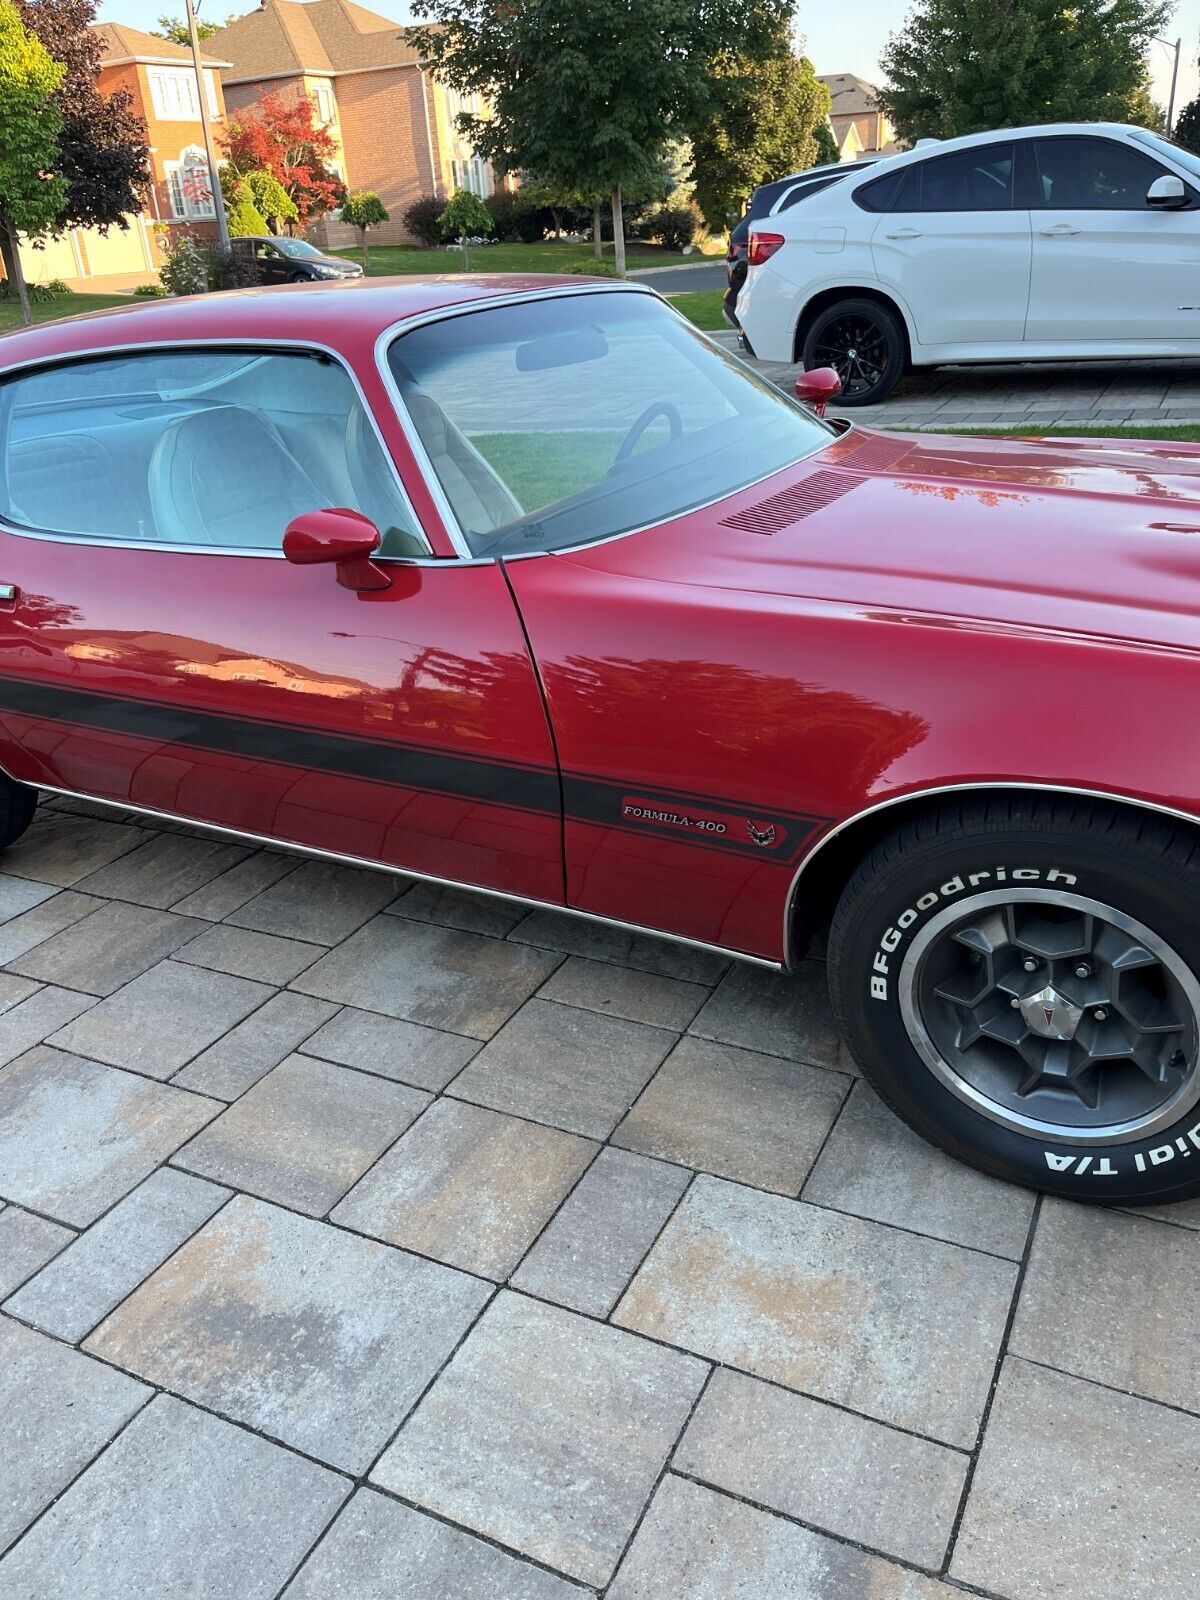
(267, 197)
(244, 219)
(176, 29)
(827, 145)
(32, 194)
(959, 66)
(1187, 127)
(586, 93)
(466, 215)
(761, 125)
(366, 210)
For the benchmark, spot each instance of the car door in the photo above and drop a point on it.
(1107, 267)
(955, 246)
(156, 649)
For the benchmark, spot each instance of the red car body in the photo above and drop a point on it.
(694, 729)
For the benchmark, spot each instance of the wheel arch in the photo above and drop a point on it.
(828, 867)
(817, 303)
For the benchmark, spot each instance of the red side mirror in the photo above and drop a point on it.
(339, 536)
(818, 387)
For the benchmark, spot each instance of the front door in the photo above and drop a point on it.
(956, 249)
(1107, 267)
(158, 651)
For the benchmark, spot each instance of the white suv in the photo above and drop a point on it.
(1033, 244)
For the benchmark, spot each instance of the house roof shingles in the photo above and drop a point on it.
(851, 95)
(121, 43)
(323, 37)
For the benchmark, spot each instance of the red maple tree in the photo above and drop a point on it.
(282, 136)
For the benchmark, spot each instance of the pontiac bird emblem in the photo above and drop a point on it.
(762, 836)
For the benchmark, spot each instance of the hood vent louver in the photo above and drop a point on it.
(870, 452)
(792, 505)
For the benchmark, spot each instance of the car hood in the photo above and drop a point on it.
(1078, 535)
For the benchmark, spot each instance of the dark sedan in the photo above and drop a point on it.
(283, 260)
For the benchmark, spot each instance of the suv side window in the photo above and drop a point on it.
(969, 180)
(895, 191)
(1087, 174)
(199, 448)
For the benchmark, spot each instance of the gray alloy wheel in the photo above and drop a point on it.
(1054, 1014)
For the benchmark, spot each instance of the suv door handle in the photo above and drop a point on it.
(1060, 230)
(905, 233)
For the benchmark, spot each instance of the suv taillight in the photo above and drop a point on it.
(763, 246)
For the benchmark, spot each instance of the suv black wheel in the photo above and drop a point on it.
(864, 341)
(1020, 981)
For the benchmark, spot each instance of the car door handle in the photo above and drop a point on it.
(1060, 230)
(905, 233)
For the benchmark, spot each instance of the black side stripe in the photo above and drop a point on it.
(408, 766)
(536, 789)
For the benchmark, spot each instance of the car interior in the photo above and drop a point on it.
(223, 451)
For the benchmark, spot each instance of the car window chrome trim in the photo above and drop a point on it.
(454, 530)
(274, 842)
(267, 346)
(790, 955)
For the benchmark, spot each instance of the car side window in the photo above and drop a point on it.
(201, 448)
(895, 191)
(980, 179)
(1082, 174)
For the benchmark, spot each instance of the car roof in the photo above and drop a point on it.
(338, 314)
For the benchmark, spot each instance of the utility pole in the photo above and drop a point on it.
(1175, 46)
(214, 182)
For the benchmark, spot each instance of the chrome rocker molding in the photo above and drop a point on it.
(912, 796)
(405, 872)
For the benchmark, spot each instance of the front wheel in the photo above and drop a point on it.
(864, 342)
(1020, 981)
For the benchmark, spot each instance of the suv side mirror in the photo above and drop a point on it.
(1166, 193)
(818, 387)
(339, 536)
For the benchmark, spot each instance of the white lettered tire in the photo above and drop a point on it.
(1019, 979)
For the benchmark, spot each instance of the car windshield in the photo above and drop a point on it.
(1186, 159)
(557, 422)
(296, 247)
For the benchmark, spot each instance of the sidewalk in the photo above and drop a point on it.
(1019, 395)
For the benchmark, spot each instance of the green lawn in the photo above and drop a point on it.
(703, 308)
(1185, 433)
(540, 470)
(63, 305)
(390, 260)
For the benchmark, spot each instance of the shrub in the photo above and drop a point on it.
(244, 219)
(594, 269)
(37, 291)
(150, 291)
(515, 220)
(183, 270)
(422, 219)
(230, 269)
(673, 226)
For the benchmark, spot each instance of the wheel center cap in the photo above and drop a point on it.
(1050, 1015)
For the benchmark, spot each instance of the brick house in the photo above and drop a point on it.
(392, 122)
(859, 124)
(160, 77)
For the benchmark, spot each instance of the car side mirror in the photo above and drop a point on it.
(1166, 193)
(339, 536)
(818, 387)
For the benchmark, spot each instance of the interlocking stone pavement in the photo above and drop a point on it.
(367, 1240)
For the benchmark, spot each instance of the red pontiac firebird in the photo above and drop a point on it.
(525, 585)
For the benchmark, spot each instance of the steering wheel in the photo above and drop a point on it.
(660, 408)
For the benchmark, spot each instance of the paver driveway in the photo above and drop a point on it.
(371, 1242)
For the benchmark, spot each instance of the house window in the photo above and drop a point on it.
(473, 173)
(173, 93)
(191, 191)
(323, 104)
